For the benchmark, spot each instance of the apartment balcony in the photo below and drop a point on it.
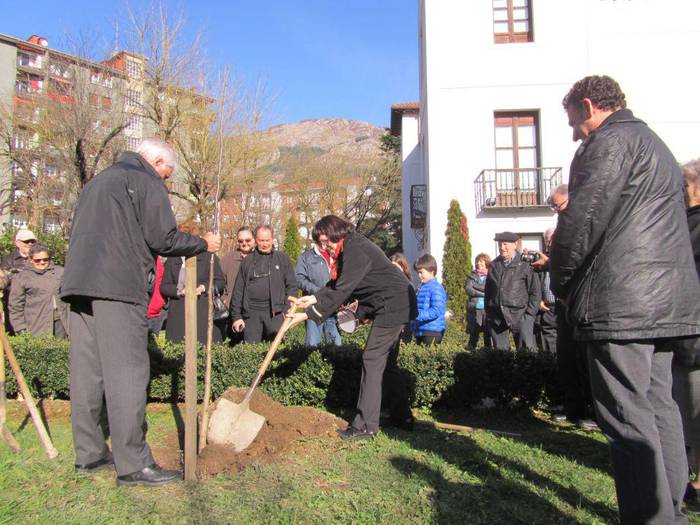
(517, 188)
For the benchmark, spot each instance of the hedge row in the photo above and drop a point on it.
(446, 376)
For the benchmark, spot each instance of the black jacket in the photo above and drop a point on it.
(282, 284)
(511, 291)
(122, 221)
(365, 273)
(175, 327)
(474, 288)
(621, 256)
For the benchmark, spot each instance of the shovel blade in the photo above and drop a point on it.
(234, 425)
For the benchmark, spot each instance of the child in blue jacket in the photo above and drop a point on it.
(429, 326)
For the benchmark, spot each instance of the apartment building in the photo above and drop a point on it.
(489, 129)
(40, 85)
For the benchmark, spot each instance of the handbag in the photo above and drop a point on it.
(220, 310)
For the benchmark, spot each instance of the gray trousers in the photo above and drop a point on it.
(380, 371)
(109, 361)
(523, 333)
(631, 384)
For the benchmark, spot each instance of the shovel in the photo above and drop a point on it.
(235, 424)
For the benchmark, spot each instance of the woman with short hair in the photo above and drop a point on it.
(34, 304)
(386, 298)
(476, 311)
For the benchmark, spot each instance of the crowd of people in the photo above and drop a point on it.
(613, 294)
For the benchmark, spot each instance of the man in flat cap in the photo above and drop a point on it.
(512, 295)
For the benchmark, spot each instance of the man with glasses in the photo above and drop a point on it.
(15, 262)
(230, 264)
(264, 282)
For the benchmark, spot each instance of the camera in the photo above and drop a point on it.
(529, 257)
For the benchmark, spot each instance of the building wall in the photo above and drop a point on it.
(411, 173)
(8, 61)
(465, 77)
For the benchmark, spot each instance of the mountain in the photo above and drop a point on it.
(321, 137)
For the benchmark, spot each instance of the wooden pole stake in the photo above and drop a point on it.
(5, 434)
(51, 451)
(190, 369)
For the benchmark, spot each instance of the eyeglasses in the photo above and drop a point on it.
(247, 241)
(30, 241)
(558, 207)
(42, 260)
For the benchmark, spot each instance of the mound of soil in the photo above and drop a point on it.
(283, 427)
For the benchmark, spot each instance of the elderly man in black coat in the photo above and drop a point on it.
(122, 221)
(512, 296)
(621, 259)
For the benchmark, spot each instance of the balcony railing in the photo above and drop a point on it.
(515, 188)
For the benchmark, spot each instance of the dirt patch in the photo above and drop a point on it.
(283, 428)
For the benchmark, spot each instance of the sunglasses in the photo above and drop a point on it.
(30, 241)
(42, 260)
(245, 240)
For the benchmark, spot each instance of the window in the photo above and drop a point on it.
(132, 143)
(107, 103)
(516, 138)
(133, 68)
(512, 21)
(133, 97)
(27, 59)
(134, 123)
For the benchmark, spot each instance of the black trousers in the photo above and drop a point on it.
(261, 326)
(631, 383)
(523, 334)
(380, 372)
(572, 367)
(109, 361)
(546, 328)
(430, 338)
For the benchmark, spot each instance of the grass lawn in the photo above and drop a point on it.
(549, 474)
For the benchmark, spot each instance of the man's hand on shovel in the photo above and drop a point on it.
(298, 303)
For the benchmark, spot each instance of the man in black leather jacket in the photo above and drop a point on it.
(512, 296)
(622, 262)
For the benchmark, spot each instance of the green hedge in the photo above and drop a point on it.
(446, 376)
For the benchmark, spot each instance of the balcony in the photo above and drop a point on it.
(515, 188)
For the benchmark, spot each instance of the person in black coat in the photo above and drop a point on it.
(512, 295)
(173, 288)
(622, 261)
(264, 282)
(386, 297)
(122, 221)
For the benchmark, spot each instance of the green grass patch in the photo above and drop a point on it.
(549, 474)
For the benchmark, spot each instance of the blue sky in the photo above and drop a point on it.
(318, 58)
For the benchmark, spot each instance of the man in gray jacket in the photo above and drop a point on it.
(622, 261)
(122, 221)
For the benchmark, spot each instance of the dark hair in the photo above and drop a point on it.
(38, 248)
(243, 229)
(426, 262)
(603, 91)
(332, 227)
(263, 227)
(482, 257)
(401, 260)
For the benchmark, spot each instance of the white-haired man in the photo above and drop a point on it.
(122, 221)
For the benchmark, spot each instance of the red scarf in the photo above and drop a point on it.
(334, 259)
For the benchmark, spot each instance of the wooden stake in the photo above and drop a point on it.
(5, 434)
(190, 369)
(51, 451)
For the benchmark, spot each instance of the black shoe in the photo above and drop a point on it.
(355, 434)
(402, 424)
(150, 476)
(587, 425)
(89, 468)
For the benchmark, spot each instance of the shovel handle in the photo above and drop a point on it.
(286, 325)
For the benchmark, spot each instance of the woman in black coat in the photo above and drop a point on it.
(172, 288)
(361, 270)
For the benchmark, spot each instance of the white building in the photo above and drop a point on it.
(490, 130)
